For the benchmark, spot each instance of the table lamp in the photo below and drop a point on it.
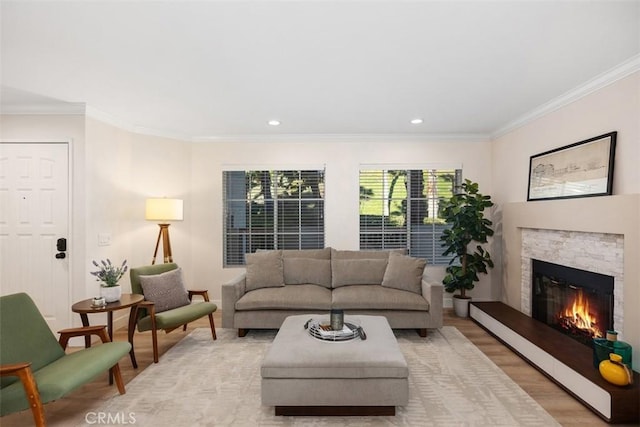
(163, 211)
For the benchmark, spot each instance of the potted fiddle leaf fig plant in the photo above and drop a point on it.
(465, 212)
(109, 275)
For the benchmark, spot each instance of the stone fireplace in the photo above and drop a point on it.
(598, 253)
(598, 234)
(595, 234)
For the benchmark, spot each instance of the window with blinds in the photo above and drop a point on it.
(402, 209)
(282, 209)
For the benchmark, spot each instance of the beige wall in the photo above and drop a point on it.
(63, 128)
(613, 108)
(342, 159)
(113, 172)
(124, 169)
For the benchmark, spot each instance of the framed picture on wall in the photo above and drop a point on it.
(582, 169)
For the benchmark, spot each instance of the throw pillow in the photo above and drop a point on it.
(302, 271)
(357, 271)
(264, 270)
(165, 290)
(404, 272)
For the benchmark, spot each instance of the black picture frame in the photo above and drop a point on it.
(581, 169)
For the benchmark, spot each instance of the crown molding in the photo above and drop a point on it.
(101, 116)
(323, 138)
(63, 108)
(628, 67)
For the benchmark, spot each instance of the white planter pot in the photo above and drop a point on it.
(461, 306)
(111, 293)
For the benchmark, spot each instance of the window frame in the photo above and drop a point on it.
(421, 239)
(274, 233)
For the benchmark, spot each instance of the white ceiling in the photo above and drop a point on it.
(207, 69)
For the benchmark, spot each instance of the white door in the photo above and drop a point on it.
(34, 205)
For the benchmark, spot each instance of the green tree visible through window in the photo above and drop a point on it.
(272, 210)
(401, 209)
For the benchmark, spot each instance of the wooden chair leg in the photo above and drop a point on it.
(33, 395)
(154, 330)
(117, 376)
(154, 338)
(133, 316)
(31, 388)
(422, 332)
(213, 327)
(24, 373)
(242, 332)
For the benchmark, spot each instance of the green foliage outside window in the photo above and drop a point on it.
(403, 209)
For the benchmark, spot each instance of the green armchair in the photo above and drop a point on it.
(34, 368)
(150, 318)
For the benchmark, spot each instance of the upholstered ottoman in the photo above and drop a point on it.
(302, 375)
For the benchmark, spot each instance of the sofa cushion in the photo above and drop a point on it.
(370, 297)
(301, 271)
(379, 254)
(298, 297)
(357, 271)
(404, 272)
(307, 253)
(264, 270)
(165, 290)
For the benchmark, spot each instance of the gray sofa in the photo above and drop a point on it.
(282, 283)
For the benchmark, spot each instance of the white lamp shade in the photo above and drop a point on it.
(163, 210)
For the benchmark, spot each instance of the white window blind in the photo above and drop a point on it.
(401, 208)
(272, 209)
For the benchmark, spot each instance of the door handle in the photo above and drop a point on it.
(61, 246)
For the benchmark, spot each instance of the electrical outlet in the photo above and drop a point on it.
(104, 239)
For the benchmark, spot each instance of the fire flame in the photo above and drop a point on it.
(577, 315)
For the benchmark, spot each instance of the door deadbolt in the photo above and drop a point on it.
(61, 246)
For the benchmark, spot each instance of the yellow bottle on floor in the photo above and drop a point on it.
(614, 371)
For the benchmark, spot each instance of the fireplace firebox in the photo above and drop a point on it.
(578, 303)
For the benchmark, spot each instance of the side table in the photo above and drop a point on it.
(85, 307)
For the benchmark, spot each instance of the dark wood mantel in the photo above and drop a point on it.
(625, 401)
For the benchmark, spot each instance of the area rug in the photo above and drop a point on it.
(200, 382)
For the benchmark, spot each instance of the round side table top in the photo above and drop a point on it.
(126, 300)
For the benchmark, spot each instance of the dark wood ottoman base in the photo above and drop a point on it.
(335, 411)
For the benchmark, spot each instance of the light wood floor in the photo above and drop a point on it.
(564, 408)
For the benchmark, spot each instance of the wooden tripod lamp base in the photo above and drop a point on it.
(166, 244)
(163, 210)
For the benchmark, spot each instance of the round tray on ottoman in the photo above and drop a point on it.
(322, 331)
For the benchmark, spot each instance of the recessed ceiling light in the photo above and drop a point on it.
(416, 121)
(274, 123)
